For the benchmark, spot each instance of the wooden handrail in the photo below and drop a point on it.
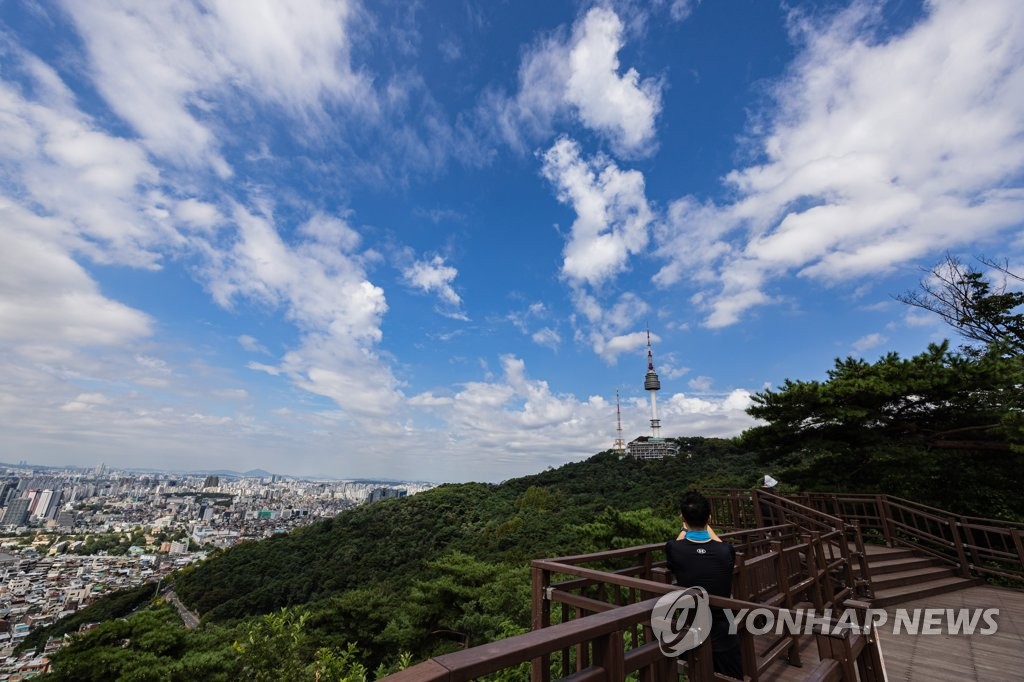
(611, 638)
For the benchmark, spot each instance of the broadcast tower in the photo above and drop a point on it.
(652, 385)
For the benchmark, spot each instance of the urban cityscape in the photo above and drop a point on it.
(69, 536)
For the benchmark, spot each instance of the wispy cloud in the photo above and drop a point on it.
(868, 342)
(879, 149)
(165, 68)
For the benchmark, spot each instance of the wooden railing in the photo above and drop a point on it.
(591, 615)
(977, 547)
(843, 537)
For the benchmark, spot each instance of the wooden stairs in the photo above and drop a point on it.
(900, 575)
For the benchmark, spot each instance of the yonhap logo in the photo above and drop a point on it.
(681, 620)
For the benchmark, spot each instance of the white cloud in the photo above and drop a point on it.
(622, 107)
(680, 10)
(920, 319)
(321, 284)
(198, 214)
(881, 149)
(85, 401)
(231, 393)
(434, 276)
(868, 342)
(252, 345)
(547, 337)
(623, 343)
(579, 74)
(701, 384)
(609, 330)
(162, 66)
(429, 400)
(612, 214)
(46, 298)
(95, 189)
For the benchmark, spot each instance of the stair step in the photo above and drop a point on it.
(905, 593)
(884, 581)
(899, 565)
(886, 553)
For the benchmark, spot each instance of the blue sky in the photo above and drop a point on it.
(425, 241)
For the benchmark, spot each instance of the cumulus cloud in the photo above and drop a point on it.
(612, 213)
(880, 149)
(434, 276)
(322, 287)
(579, 74)
(612, 331)
(532, 426)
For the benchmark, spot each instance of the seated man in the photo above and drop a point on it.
(699, 558)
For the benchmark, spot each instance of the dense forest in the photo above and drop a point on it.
(386, 584)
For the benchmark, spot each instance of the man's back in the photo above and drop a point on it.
(702, 564)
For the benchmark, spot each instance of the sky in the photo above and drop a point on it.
(426, 241)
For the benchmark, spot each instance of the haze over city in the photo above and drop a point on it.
(427, 242)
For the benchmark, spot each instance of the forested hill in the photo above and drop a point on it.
(420, 575)
(390, 542)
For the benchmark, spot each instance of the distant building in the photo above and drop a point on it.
(378, 494)
(646, 447)
(16, 512)
(211, 482)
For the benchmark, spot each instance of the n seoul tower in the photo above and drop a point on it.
(652, 385)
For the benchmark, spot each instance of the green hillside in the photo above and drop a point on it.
(420, 575)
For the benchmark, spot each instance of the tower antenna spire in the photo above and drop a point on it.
(620, 442)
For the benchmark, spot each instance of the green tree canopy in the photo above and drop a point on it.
(940, 427)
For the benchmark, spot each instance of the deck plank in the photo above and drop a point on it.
(940, 658)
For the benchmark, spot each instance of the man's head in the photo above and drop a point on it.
(695, 509)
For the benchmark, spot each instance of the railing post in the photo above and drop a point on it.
(828, 586)
(700, 665)
(882, 508)
(540, 668)
(816, 566)
(835, 644)
(782, 577)
(972, 545)
(954, 529)
(758, 514)
(608, 654)
(1018, 542)
(862, 560)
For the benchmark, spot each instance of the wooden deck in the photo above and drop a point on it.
(985, 658)
(998, 657)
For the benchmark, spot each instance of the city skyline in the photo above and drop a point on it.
(353, 240)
